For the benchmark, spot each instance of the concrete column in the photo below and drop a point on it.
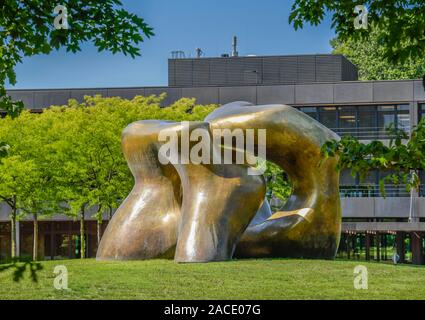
(400, 236)
(417, 248)
(378, 246)
(367, 245)
(385, 246)
(347, 245)
(52, 238)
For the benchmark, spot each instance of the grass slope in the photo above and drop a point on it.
(242, 279)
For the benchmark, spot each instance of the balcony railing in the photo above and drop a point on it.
(372, 191)
(367, 133)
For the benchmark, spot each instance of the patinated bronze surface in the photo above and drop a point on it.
(145, 225)
(309, 223)
(202, 212)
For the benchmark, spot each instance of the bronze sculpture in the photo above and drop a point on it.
(200, 212)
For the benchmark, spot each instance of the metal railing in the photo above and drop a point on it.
(367, 133)
(372, 191)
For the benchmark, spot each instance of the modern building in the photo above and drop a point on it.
(324, 87)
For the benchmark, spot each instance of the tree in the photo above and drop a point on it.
(401, 159)
(400, 24)
(25, 172)
(368, 56)
(26, 29)
(91, 171)
(278, 184)
(15, 173)
(68, 159)
(14, 177)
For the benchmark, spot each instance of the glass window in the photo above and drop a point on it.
(328, 117)
(367, 117)
(422, 178)
(367, 121)
(310, 111)
(363, 121)
(371, 178)
(422, 110)
(346, 179)
(347, 117)
(386, 116)
(403, 117)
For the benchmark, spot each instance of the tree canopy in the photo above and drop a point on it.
(68, 159)
(27, 29)
(369, 56)
(400, 24)
(402, 158)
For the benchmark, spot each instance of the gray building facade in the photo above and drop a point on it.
(259, 70)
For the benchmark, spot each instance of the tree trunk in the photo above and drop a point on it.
(99, 218)
(13, 233)
(82, 233)
(99, 230)
(35, 242)
(110, 213)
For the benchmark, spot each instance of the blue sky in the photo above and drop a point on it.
(261, 26)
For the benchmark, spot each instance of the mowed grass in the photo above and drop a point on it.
(238, 279)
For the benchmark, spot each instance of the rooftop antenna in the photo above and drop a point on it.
(234, 47)
(199, 53)
(178, 54)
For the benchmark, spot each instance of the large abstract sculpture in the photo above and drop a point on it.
(212, 211)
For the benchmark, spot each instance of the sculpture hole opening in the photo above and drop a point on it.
(279, 186)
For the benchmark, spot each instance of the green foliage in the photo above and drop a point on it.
(26, 29)
(401, 160)
(400, 24)
(278, 184)
(25, 173)
(69, 157)
(4, 149)
(368, 56)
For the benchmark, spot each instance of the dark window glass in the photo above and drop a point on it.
(422, 178)
(363, 121)
(328, 117)
(403, 117)
(421, 111)
(386, 116)
(347, 117)
(371, 178)
(310, 111)
(367, 122)
(367, 117)
(346, 179)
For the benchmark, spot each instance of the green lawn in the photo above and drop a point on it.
(243, 279)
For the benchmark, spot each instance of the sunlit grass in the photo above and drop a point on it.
(242, 279)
